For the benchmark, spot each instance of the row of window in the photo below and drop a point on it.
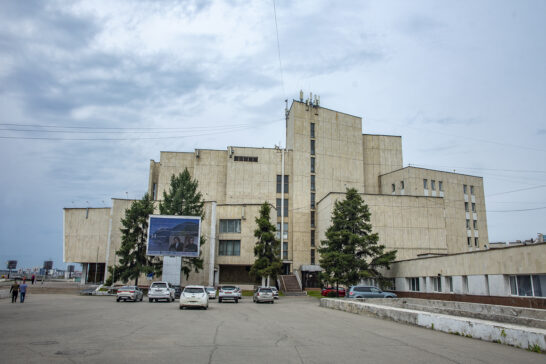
(313, 197)
(465, 189)
(473, 207)
(240, 158)
(474, 224)
(528, 285)
(279, 184)
(433, 185)
(469, 241)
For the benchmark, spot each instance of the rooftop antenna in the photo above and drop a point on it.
(301, 95)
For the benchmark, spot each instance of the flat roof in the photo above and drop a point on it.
(429, 169)
(386, 135)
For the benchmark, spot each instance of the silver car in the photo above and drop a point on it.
(264, 294)
(160, 291)
(232, 293)
(129, 293)
(211, 292)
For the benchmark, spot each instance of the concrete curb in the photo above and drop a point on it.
(503, 333)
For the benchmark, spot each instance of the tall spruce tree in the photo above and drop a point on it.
(267, 249)
(133, 260)
(351, 251)
(184, 199)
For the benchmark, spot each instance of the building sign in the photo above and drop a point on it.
(174, 236)
(12, 264)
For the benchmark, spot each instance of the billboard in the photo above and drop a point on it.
(12, 264)
(174, 236)
(70, 268)
(48, 264)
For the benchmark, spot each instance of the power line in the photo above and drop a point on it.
(537, 208)
(278, 47)
(227, 127)
(486, 169)
(521, 189)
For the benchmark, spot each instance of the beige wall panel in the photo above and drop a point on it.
(85, 234)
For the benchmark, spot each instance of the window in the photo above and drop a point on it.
(464, 189)
(312, 182)
(229, 247)
(312, 200)
(465, 284)
(476, 242)
(240, 158)
(467, 224)
(475, 223)
(472, 190)
(440, 186)
(425, 184)
(436, 283)
(473, 207)
(469, 240)
(312, 237)
(449, 284)
(393, 188)
(284, 231)
(285, 250)
(466, 206)
(312, 256)
(312, 147)
(154, 192)
(230, 226)
(528, 285)
(432, 184)
(413, 284)
(312, 130)
(401, 185)
(312, 218)
(312, 164)
(279, 207)
(279, 186)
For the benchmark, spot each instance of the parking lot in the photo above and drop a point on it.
(69, 328)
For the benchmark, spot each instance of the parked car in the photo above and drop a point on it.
(263, 294)
(226, 293)
(211, 292)
(100, 290)
(326, 291)
(177, 291)
(275, 292)
(368, 292)
(132, 293)
(161, 291)
(194, 296)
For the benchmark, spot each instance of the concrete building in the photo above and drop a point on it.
(419, 212)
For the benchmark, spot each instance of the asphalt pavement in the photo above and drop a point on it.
(81, 329)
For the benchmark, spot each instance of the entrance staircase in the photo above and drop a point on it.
(290, 286)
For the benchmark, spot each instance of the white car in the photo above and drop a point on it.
(161, 291)
(194, 296)
(212, 292)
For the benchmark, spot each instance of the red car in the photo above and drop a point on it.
(327, 290)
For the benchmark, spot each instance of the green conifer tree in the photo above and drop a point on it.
(267, 249)
(184, 199)
(351, 251)
(133, 260)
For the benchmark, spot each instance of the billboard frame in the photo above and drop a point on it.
(175, 253)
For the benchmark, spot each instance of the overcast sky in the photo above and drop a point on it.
(463, 83)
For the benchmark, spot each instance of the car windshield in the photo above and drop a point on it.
(228, 288)
(159, 285)
(211, 289)
(193, 290)
(265, 289)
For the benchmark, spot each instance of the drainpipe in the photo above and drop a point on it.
(282, 200)
(212, 243)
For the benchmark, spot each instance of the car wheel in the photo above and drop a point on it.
(117, 299)
(219, 300)
(181, 307)
(149, 300)
(236, 301)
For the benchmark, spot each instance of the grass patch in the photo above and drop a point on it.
(248, 293)
(534, 348)
(315, 294)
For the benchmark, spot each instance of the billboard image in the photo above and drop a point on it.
(174, 236)
(12, 264)
(48, 264)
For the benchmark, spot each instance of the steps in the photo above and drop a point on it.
(290, 286)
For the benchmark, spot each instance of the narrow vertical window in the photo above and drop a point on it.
(440, 185)
(285, 183)
(279, 183)
(469, 241)
(467, 224)
(312, 237)
(425, 184)
(312, 147)
(312, 256)
(475, 224)
(472, 190)
(312, 130)
(476, 242)
(433, 185)
(466, 206)
(312, 218)
(402, 185)
(473, 207)
(312, 164)
(154, 192)
(312, 200)
(285, 250)
(312, 182)
(464, 189)
(393, 188)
